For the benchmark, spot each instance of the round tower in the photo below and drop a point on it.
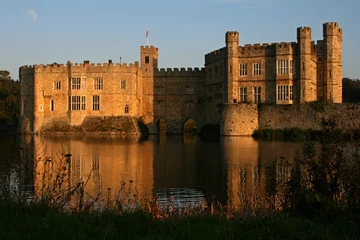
(232, 46)
(332, 62)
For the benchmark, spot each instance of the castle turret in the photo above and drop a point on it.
(232, 46)
(148, 65)
(306, 84)
(332, 62)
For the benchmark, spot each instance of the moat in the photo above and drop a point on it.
(178, 168)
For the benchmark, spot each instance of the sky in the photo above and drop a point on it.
(48, 31)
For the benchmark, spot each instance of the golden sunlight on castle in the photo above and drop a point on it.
(281, 73)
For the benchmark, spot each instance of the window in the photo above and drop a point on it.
(57, 85)
(98, 83)
(291, 66)
(257, 94)
(210, 73)
(189, 89)
(126, 109)
(189, 105)
(284, 93)
(147, 59)
(123, 84)
(283, 66)
(96, 103)
(243, 94)
(158, 104)
(77, 103)
(75, 83)
(41, 108)
(221, 70)
(52, 105)
(159, 90)
(320, 58)
(83, 84)
(257, 69)
(216, 72)
(243, 69)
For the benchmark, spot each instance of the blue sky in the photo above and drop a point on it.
(184, 31)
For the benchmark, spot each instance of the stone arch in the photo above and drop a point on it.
(190, 126)
(161, 126)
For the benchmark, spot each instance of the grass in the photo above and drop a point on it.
(41, 222)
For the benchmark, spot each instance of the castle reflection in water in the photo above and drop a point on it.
(181, 168)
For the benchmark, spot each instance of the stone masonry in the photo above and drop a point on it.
(280, 73)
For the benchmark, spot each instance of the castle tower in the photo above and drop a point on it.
(332, 62)
(148, 65)
(306, 88)
(232, 46)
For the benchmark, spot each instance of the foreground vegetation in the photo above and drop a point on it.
(42, 222)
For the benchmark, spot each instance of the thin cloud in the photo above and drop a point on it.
(32, 14)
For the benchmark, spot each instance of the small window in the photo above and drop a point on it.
(52, 105)
(41, 108)
(189, 105)
(159, 90)
(57, 85)
(189, 89)
(320, 58)
(126, 109)
(123, 84)
(147, 59)
(158, 104)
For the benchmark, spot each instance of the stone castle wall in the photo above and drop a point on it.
(308, 116)
(175, 95)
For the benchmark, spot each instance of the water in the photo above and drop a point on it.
(181, 169)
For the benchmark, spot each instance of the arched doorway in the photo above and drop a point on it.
(161, 124)
(190, 126)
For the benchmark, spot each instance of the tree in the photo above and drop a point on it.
(9, 98)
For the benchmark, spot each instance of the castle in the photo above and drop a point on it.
(279, 73)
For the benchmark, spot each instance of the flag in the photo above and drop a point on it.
(147, 33)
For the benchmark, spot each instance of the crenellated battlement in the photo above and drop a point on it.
(331, 28)
(84, 67)
(215, 55)
(231, 36)
(303, 32)
(182, 72)
(26, 70)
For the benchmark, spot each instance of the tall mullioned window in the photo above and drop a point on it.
(96, 103)
(77, 103)
(75, 83)
(126, 108)
(98, 83)
(257, 69)
(257, 94)
(285, 66)
(243, 69)
(284, 92)
(243, 94)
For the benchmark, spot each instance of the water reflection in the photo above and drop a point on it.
(183, 169)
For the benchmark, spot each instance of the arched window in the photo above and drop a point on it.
(52, 105)
(126, 109)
